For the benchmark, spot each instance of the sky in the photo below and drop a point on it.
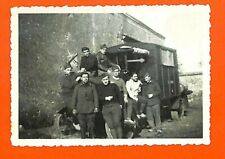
(186, 29)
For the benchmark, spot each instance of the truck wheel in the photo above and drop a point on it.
(175, 109)
(63, 126)
(59, 123)
(56, 126)
(178, 113)
(174, 115)
(129, 131)
(185, 101)
(128, 134)
(181, 109)
(108, 133)
(183, 105)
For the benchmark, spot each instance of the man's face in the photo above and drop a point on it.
(116, 73)
(105, 80)
(147, 79)
(84, 78)
(103, 50)
(67, 71)
(86, 52)
(135, 77)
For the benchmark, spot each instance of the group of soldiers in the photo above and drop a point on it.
(111, 101)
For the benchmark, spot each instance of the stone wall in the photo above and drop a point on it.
(194, 83)
(46, 41)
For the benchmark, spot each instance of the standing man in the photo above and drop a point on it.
(109, 96)
(85, 103)
(104, 63)
(151, 92)
(133, 88)
(67, 83)
(89, 62)
(121, 85)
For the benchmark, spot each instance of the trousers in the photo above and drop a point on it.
(87, 124)
(153, 116)
(112, 114)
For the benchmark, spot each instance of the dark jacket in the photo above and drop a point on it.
(85, 98)
(104, 63)
(90, 63)
(68, 82)
(151, 88)
(109, 90)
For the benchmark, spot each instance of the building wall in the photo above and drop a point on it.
(46, 40)
(194, 83)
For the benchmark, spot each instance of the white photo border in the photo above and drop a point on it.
(92, 142)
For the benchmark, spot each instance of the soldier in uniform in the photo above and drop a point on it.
(151, 92)
(110, 98)
(68, 83)
(85, 104)
(104, 63)
(89, 63)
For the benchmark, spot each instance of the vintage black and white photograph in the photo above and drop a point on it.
(112, 75)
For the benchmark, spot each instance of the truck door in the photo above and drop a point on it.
(168, 73)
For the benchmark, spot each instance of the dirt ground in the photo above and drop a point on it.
(190, 126)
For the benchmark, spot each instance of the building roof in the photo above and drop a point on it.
(143, 25)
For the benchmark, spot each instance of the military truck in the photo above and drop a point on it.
(161, 63)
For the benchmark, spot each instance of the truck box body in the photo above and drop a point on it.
(159, 61)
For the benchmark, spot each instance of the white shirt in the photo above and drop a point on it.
(133, 88)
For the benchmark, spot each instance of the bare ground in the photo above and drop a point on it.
(190, 126)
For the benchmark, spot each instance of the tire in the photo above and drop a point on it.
(174, 115)
(107, 130)
(181, 110)
(129, 131)
(184, 104)
(175, 109)
(62, 125)
(56, 121)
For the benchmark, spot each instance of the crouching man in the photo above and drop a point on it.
(85, 104)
